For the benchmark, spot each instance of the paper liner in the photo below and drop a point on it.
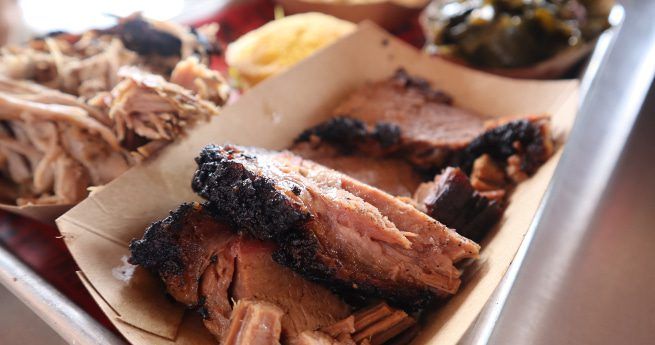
(271, 115)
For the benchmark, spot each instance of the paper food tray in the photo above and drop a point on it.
(271, 115)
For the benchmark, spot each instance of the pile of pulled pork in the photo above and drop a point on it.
(78, 110)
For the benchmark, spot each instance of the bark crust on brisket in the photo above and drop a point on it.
(332, 228)
(399, 117)
(452, 200)
(205, 264)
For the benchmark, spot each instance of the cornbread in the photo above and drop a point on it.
(280, 44)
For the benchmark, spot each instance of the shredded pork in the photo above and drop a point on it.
(78, 110)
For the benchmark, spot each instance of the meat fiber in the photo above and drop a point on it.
(521, 144)
(254, 323)
(452, 200)
(405, 117)
(85, 64)
(147, 106)
(401, 115)
(373, 325)
(204, 264)
(204, 82)
(333, 228)
(393, 176)
(53, 146)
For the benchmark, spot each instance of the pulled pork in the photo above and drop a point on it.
(85, 64)
(54, 145)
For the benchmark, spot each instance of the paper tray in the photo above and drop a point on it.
(485, 323)
(271, 115)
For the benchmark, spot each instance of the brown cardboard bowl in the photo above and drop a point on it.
(97, 231)
(388, 14)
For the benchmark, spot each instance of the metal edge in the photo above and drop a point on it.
(484, 325)
(73, 324)
(618, 121)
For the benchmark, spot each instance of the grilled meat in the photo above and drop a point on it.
(374, 325)
(404, 117)
(405, 114)
(254, 323)
(204, 82)
(333, 228)
(205, 264)
(487, 176)
(85, 64)
(306, 305)
(522, 145)
(452, 200)
(393, 176)
(147, 106)
(55, 145)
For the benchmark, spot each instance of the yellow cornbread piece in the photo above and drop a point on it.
(281, 43)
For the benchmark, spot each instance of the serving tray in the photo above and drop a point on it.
(621, 69)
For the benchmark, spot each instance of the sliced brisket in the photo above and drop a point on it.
(333, 228)
(403, 117)
(392, 175)
(452, 200)
(205, 264)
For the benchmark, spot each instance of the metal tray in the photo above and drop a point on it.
(614, 85)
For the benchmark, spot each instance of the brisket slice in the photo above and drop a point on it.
(397, 118)
(191, 251)
(392, 175)
(522, 144)
(332, 228)
(452, 200)
(254, 323)
(401, 115)
(205, 264)
(306, 305)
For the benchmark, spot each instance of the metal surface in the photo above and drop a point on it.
(14, 318)
(585, 273)
(70, 322)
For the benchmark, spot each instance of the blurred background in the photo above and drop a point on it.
(21, 19)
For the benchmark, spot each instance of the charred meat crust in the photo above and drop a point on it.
(142, 37)
(349, 135)
(157, 250)
(298, 255)
(501, 143)
(244, 199)
(407, 81)
(346, 133)
(458, 205)
(380, 120)
(252, 203)
(178, 256)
